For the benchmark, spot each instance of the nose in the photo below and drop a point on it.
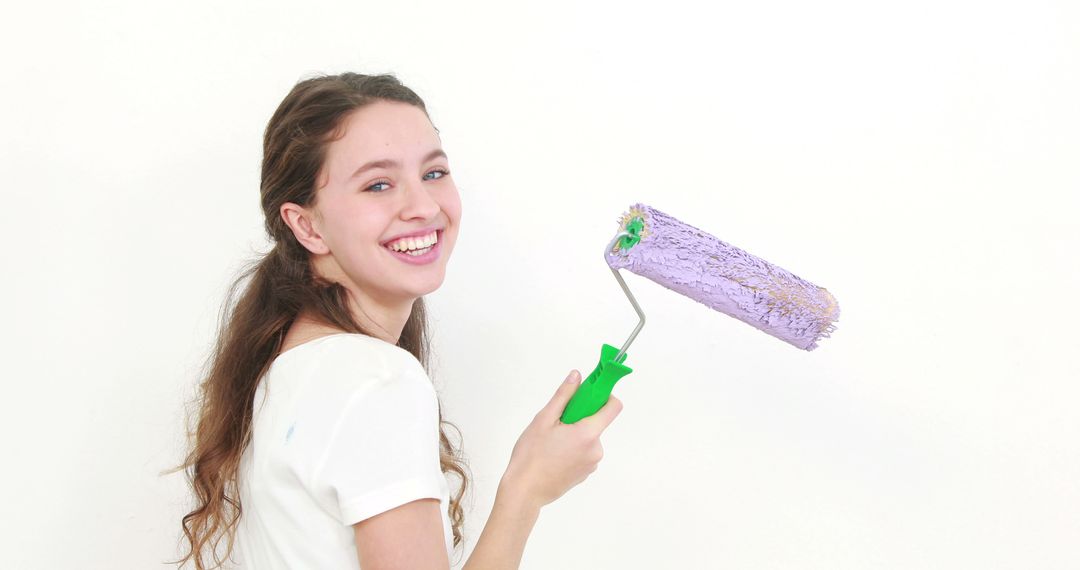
(418, 203)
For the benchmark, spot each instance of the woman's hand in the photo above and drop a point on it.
(551, 457)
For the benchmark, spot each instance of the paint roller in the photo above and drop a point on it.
(716, 274)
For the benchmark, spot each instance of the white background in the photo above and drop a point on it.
(918, 159)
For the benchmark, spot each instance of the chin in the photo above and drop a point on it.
(427, 290)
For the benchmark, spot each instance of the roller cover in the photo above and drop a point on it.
(696, 264)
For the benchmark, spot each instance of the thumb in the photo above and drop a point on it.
(554, 409)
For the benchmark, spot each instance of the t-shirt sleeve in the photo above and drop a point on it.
(384, 449)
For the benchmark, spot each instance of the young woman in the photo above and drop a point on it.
(319, 441)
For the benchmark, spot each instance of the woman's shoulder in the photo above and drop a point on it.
(351, 354)
(354, 366)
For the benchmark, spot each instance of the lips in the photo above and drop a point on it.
(430, 256)
(417, 233)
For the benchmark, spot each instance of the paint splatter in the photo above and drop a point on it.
(288, 435)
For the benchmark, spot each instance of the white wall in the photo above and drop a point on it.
(917, 159)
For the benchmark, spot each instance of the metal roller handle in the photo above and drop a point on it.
(629, 295)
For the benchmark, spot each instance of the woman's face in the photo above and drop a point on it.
(405, 188)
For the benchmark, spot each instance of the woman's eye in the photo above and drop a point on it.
(441, 171)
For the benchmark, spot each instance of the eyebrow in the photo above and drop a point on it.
(387, 163)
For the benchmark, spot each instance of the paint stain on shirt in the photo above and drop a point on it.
(288, 435)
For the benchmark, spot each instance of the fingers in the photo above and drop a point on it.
(598, 421)
(604, 416)
(554, 408)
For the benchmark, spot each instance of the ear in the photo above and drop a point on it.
(304, 225)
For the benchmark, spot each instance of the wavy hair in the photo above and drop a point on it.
(278, 287)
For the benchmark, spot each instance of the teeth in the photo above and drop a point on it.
(414, 243)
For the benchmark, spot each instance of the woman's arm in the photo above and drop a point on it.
(502, 541)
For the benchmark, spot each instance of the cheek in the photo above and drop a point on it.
(364, 223)
(452, 206)
(356, 239)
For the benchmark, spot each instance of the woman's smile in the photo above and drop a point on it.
(420, 256)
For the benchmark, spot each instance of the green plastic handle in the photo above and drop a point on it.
(594, 391)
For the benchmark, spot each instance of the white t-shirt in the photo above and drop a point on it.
(349, 428)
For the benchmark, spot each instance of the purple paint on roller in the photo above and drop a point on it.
(696, 264)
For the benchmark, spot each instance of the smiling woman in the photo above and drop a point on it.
(319, 431)
(347, 223)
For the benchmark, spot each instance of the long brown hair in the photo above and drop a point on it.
(283, 286)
